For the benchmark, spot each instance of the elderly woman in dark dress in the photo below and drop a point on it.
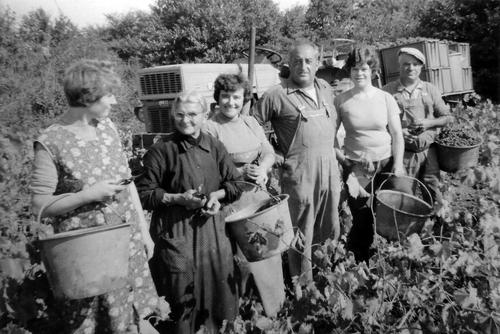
(185, 178)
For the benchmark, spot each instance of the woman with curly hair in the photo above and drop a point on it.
(253, 155)
(242, 135)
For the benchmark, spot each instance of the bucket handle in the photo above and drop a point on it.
(420, 183)
(372, 209)
(49, 203)
(275, 198)
(61, 196)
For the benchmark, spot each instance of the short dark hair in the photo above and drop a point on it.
(87, 80)
(231, 83)
(362, 55)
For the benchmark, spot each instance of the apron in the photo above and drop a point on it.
(420, 159)
(250, 193)
(271, 291)
(310, 175)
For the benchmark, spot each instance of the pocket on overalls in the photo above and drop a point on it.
(318, 128)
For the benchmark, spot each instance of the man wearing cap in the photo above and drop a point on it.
(304, 119)
(423, 112)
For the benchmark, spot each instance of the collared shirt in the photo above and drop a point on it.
(413, 94)
(277, 107)
(181, 163)
(433, 104)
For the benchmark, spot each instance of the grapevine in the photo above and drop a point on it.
(458, 137)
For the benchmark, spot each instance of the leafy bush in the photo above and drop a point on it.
(475, 22)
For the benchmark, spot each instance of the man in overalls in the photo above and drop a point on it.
(302, 114)
(423, 113)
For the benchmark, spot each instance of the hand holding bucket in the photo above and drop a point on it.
(86, 262)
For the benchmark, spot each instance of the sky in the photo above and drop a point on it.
(92, 12)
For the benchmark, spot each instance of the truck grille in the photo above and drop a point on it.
(159, 119)
(160, 83)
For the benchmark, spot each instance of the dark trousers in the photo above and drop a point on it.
(360, 237)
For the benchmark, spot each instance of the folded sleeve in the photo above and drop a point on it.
(440, 107)
(264, 109)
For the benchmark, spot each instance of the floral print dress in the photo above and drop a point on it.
(80, 164)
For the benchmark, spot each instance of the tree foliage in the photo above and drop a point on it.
(63, 30)
(363, 20)
(139, 37)
(214, 30)
(475, 22)
(36, 27)
(293, 23)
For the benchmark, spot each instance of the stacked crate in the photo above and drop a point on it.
(461, 69)
(447, 66)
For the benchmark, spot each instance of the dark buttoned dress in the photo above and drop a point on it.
(193, 261)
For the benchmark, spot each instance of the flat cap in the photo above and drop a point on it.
(413, 52)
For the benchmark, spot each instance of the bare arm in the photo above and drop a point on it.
(398, 143)
(338, 150)
(441, 110)
(61, 204)
(436, 122)
(44, 170)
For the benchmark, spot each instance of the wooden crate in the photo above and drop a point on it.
(467, 78)
(464, 50)
(456, 72)
(440, 77)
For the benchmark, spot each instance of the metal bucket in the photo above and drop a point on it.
(262, 229)
(399, 213)
(452, 159)
(87, 262)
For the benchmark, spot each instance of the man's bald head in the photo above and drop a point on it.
(304, 62)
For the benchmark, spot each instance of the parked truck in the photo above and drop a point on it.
(447, 67)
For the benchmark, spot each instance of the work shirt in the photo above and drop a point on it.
(422, 102)
(433, 104)
(276, 106)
